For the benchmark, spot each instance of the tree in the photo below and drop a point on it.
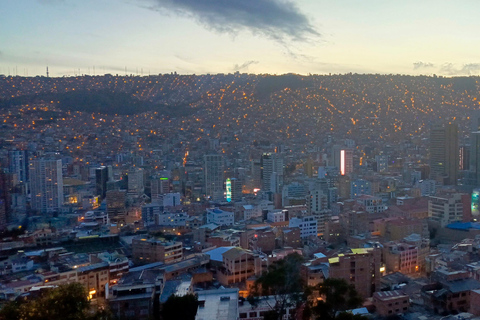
(66, 302)
(338, 297)
(283, 281)
(180, 307)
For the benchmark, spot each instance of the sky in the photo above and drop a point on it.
(144, 37)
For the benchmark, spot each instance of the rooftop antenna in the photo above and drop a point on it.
(48, 75)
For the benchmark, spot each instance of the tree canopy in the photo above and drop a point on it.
(283, 281)
(66, 302)
(337, 297)
(180, 307)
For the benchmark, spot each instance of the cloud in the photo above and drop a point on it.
(280, 20)
(450, 69)
(244, 65)
(421, 65)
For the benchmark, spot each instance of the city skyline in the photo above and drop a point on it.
(158, 36)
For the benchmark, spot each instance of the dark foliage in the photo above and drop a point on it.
(66, 302)
(283, 281)
(176, 307)
(338, 297)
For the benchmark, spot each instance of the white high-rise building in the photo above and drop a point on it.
(214, 176)
(271, 166)
(446, 209)
(46, 185)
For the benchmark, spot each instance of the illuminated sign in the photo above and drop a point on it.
(163, 178)
(229, 190)
(475, 202)
(342, 162)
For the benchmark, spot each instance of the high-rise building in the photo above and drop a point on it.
(474, 172)
(5, 188)
(464, 157)
(342, 159)
(116, 205)
(271, 166)
(159, 185)
(360, 187)
(18, 164)
(135, 181)
(445, 209)
(444, 153)
(309, 167)
(213, 168)
(46, 185)
(382, 162)
(256, 173)
(101, 179)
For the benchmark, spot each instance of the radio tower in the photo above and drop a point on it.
(47, 72)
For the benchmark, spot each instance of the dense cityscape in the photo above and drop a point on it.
(140, 190)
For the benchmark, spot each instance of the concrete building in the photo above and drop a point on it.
(271, 166)
(445, 209)
(450, 293)
(151, 250)
(276, 216)
(360, 268)
(427, 187)
(116, 205)
(149, 214)
(135, 294)
(46, 185)
(18, 164)
(444, 154)
(401, 257)
(371, 204)
(360, 187)
(342, 159)
(238, 265)
(382, 162)
(214, 177)
(389, 303)
(136, 186)
(158, 186)
(307, 225)
(217, 304)
(220, 217)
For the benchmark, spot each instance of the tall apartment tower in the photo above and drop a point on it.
(116, 205)
(444, 153)
(5, 188)
(213, 168)
(474, 168)
(46, 185)
(135, 182)
(18, 165)
(159, 185)
(342, 159)
(271, 168)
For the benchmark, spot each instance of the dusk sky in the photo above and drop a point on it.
(253, 36)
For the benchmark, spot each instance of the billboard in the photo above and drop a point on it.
(229, 190)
